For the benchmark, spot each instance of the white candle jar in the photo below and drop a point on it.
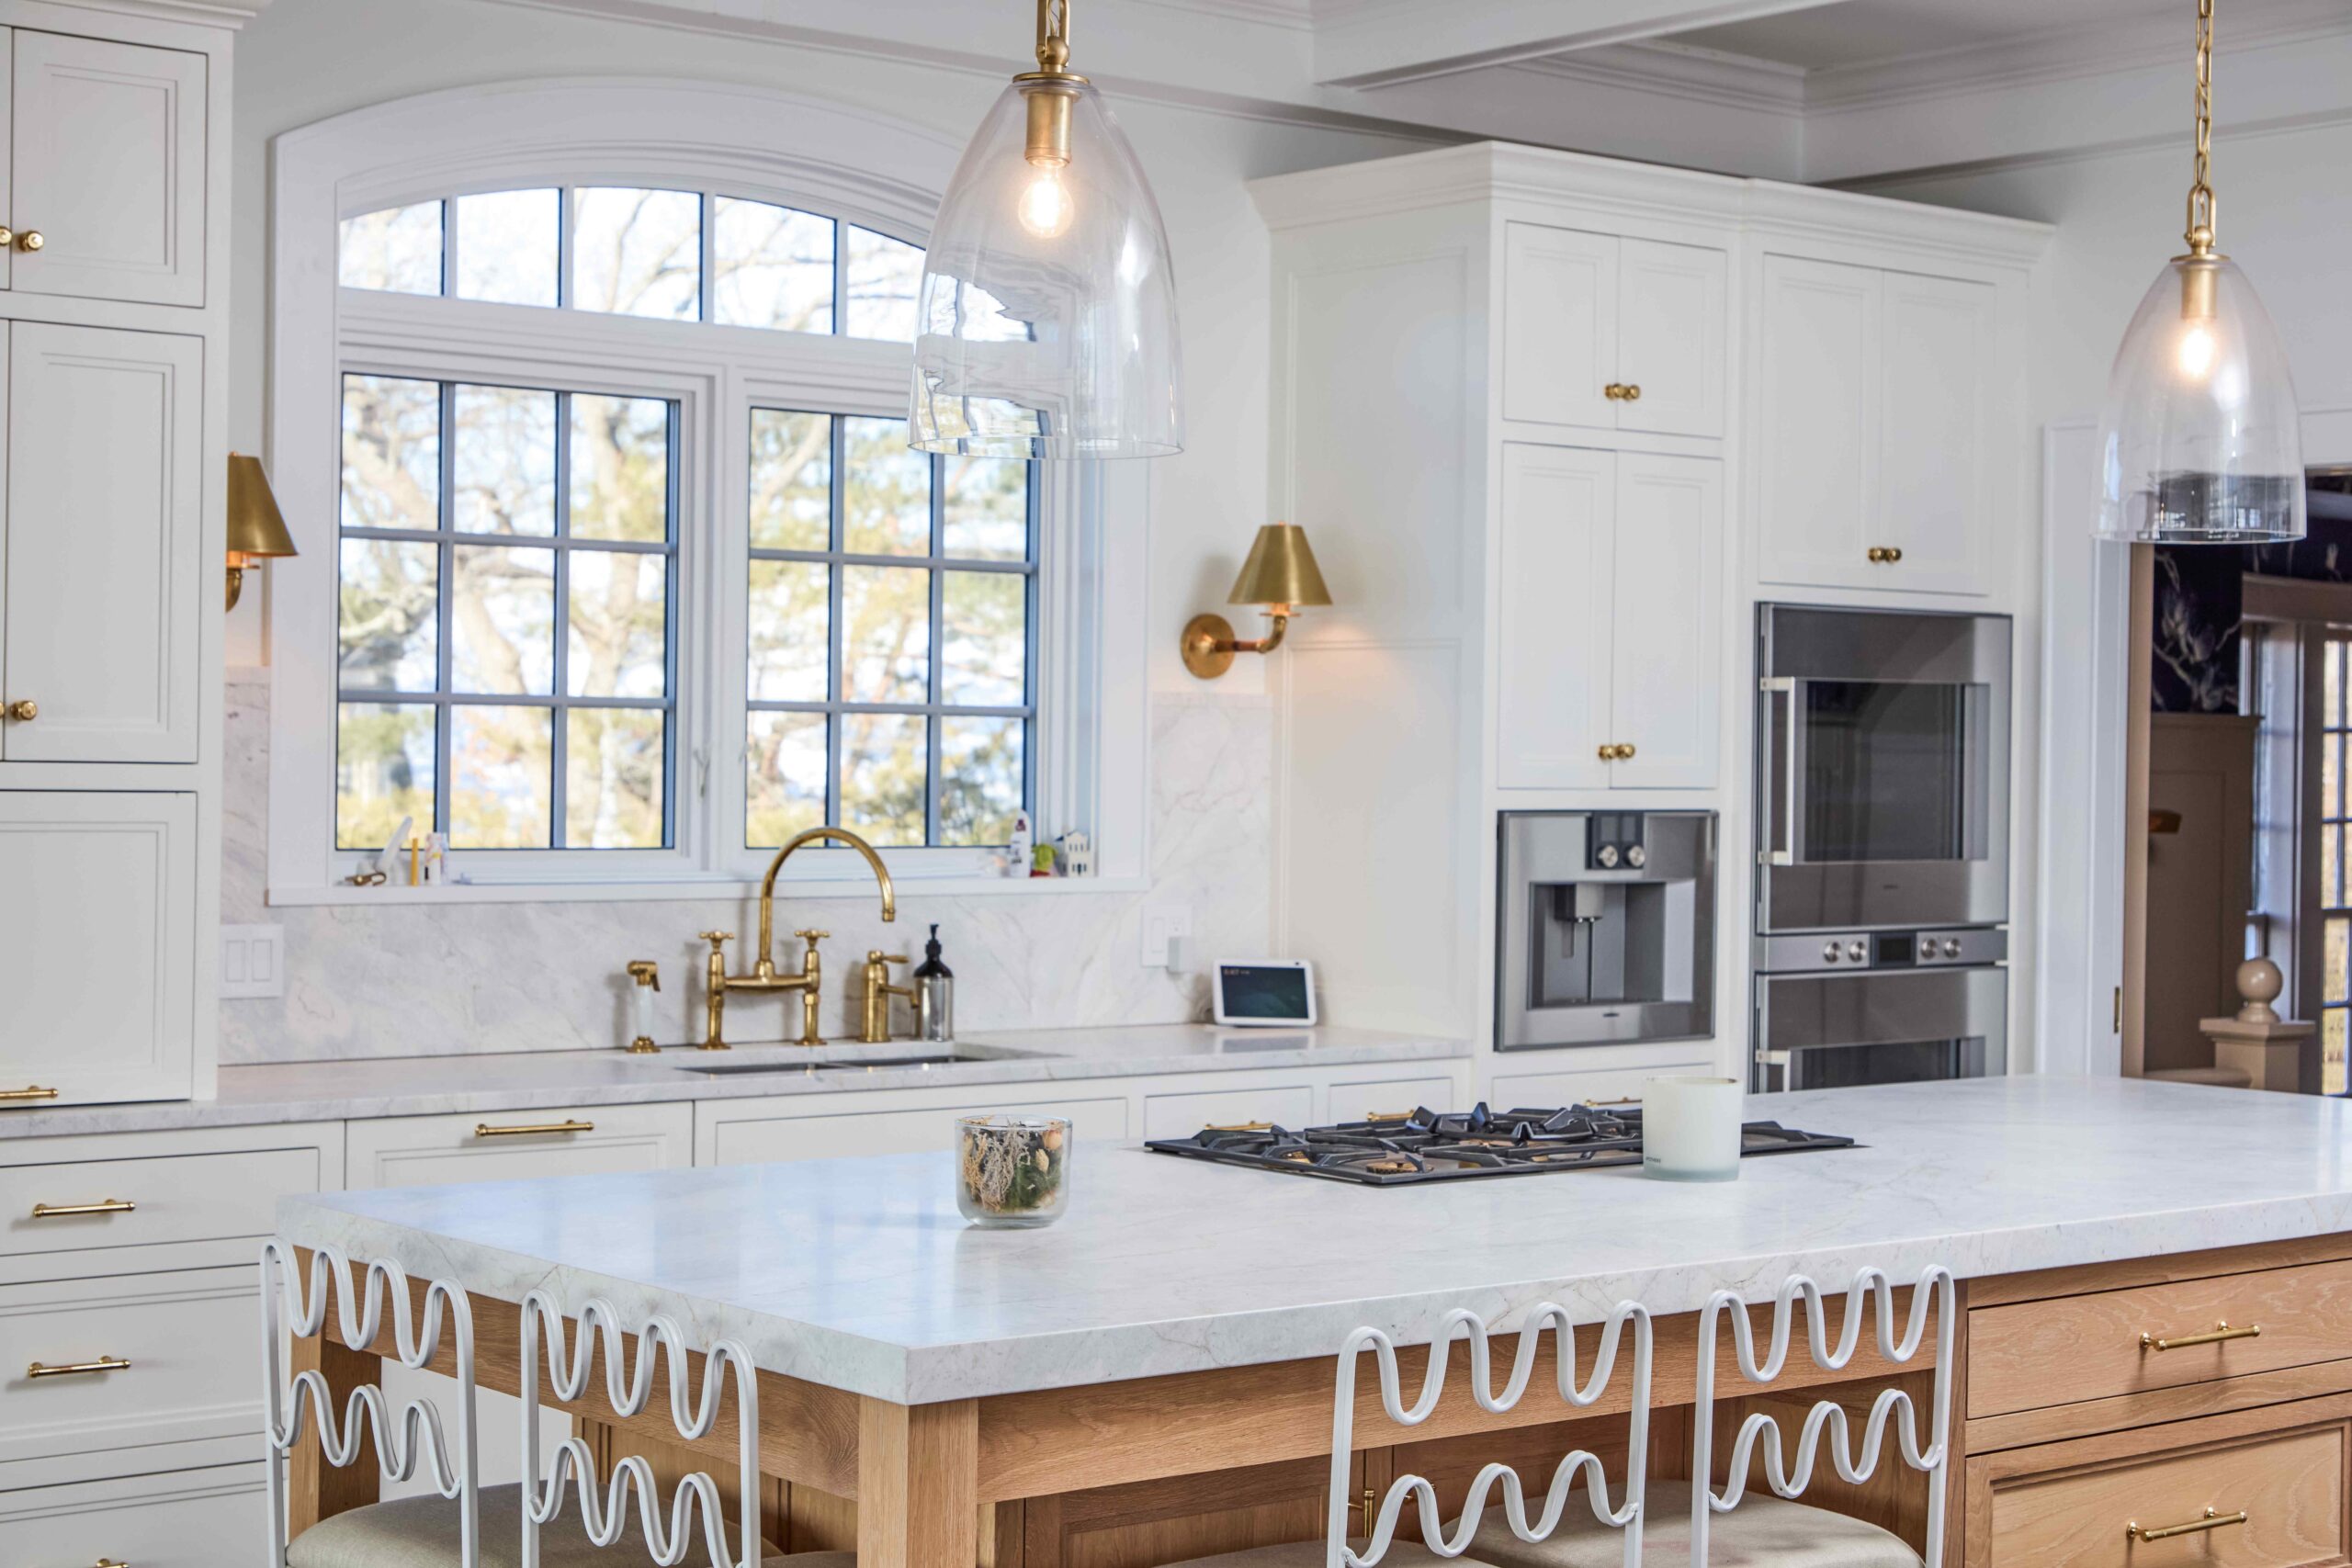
(1690, 1129)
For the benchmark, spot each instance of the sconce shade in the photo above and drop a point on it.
(257, 528)
(1281, 570)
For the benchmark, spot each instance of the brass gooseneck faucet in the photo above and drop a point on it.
(763, 977)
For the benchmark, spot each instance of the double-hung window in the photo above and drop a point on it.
(632, 555)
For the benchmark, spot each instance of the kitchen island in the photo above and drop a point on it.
(991, 1396)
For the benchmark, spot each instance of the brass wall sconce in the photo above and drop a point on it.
(256, 530)
(1280, 577)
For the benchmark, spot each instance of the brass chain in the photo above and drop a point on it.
(2200, 192)
(1053, 33)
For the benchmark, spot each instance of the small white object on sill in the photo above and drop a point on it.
(1690, 1128)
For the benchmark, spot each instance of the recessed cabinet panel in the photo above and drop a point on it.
(1552, 615)
(1817, 417)
(104, 524)
(1560, 316)
(1666, 672)
(1673, 319)
(96, 933)
(1935, 421)
(107, 167)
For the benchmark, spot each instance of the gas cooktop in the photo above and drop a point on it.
(1429, 1146)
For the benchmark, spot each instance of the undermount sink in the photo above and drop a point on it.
(846, 1063)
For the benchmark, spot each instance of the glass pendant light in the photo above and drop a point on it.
(1047, 326)
(2201, 440)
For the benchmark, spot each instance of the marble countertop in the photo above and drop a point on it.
(859, 1273)
(528, 1080)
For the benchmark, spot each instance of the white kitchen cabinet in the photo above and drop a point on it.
(1357, 1099)
(107, 166)
(422, 1151)
(1182, 1115)
(208, 1517)
(102, 535)
(97, 938)
(1612, 333)
(1609, 632)
(1873, 447)
(801, 1127)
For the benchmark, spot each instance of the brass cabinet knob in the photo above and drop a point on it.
(1624, 753)
(1608, 753)
(1894, 555)
(23, 711)
(30, 240)
(1632, 392)
(8, 236)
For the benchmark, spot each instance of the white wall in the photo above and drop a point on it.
(358, 973)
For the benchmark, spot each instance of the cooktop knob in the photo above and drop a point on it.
(1606, 854)
(1829, 951)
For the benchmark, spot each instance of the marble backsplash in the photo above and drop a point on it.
(459, 978)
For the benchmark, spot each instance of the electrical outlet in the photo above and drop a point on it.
(1165, 929)
(253, 961)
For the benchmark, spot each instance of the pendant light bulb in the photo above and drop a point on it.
(2200, 439)
(1047, 208)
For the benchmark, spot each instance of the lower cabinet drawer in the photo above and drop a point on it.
(1182, 1115)
(2032, 1354)
(1600, 1086)
(909, 1131)
(193, 1374)
(418, 1151)
(213, 1517)
(2271, 1499)
(1356, 1101)
(69, 1206)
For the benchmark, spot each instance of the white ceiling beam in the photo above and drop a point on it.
(1371, 43)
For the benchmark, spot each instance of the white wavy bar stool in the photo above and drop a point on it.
(1508, 1521)
(1777, 1532)
(402, 1442)
(465, 1523)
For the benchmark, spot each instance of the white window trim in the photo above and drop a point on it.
(1092, 734)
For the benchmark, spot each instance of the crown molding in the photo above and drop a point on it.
(229, 14)
(1296, 14)
(1681, 71)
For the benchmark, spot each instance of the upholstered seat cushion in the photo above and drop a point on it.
(421, 1532)
(1401, 1554)
(1763, 1532)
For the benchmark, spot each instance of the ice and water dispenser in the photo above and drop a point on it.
(1608, 927)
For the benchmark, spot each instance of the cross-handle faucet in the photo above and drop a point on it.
(810, 983)
(874, 1023)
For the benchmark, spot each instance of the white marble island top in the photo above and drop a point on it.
(859, 1273)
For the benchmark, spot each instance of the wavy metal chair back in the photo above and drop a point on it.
(417, 1432)
(1465, 1323)
(629, 1388)
(1929, 1451)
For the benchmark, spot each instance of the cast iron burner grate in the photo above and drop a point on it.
(1429, 1146)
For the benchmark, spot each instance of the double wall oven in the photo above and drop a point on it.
(1883, 847)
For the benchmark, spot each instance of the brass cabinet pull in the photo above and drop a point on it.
(24, 710)
(1622, 1100)
(540, 1129)
(110, 1563)
(79, 1368)
(29, 1092)
(2215, 1336)
(30, 240)
(1617, 754)
(1885, 555)
(2212, 1521)
(1388, 1116)
(1622, 392)
(103, 1206)
(1241, 1126)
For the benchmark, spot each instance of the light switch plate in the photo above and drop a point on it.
(1164, 929)
(253, 961)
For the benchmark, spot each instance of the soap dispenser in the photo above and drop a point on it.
(934, 988)
(648, 977)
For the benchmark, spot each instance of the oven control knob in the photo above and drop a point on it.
(1606, 854)
(1857, 952)
(1636, 856)
(1829, 950)
(1926, 947)
(1952, 947)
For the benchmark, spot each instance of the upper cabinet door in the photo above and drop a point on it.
(1673, 316)
(1666, 691)
(1818, 423)
(1553, 617)
(98, 612)
(107, 166)
(1559, 326)
(96, 945)
(1936, 419)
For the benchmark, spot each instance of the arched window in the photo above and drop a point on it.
(633, 574)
